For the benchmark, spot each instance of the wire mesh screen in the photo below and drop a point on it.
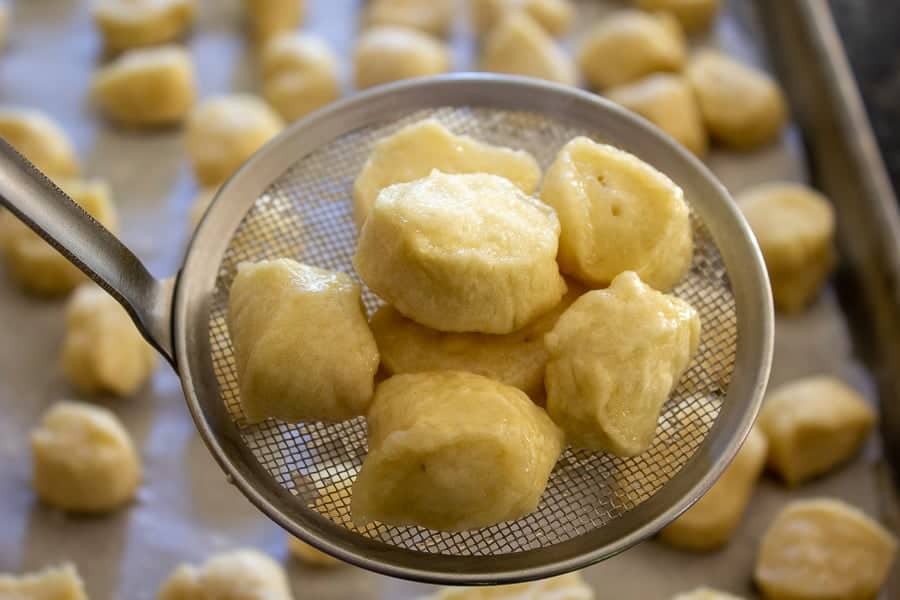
(306, 215)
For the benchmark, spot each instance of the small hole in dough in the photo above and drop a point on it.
(616, 210)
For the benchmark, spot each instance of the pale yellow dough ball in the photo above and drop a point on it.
(299, 73)
(276, 312)
(244, 574)
(386, 54)
(794, 226)
(626, 337)
(39, 139)
(705, 593)
(554, 16)
(822, 549)
(268, 18)
(743, 108)
(83, 460)
(127, 24)
(631, 44)
(431, 16)
(570, 586)
(52, 583)
(309, 555)
(438, 459)
(694, 15)
(814, 425)
(462, 253)
(36, 265)
(224, 131)
(617, 214)
(417, 149)
(518, 46)
(199, 205)
(147, 87)
(667, 101)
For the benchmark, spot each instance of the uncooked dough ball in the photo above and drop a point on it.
(417, 149)
(667, 101)
(52, 583)
(146, 87)
(244, 574)
(517, 359)
(814, 425)
(453, 451)
(431, 16)
(268, 18)
(794, 226)
(617, 214)
(694, 15)
(103, 351)
(742, 107)
(299, 73)
(223, 132)
(134, 23)
(462, 253)
(277, 313)
(83, 460)
(309, 555)
(34, 263)
(626, 337)
(705, 593)
(36, 137)
(823, 548)
(710, 522)
(554, 16)
(518, 46)
(386, 54)
(570, 586)
(631, 44)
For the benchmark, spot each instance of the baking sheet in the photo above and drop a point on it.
(185, 510)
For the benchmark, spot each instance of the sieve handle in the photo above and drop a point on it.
(46, 209)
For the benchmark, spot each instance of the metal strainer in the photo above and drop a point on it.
(292, 200)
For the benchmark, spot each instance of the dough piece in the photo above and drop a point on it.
(223, 132)
(617, 214)
(52, 583)
(34, 135)
(299, 73)
(386, 54)
(414, 151)
(694, 15)
(570, 586)
(201, 202)
(814, 425)
(794, 226)
(554, 16)
(244, 574)
(462, 253)
(278, 312)
(430, 16)
(705, 593)
(743, 108)
(453, 451)
(615, 356)
(518, 46)
(83, 460)
(128, 24)
(710, 523)
(146, 87)
(268, 18)
(823, 549)
(517, 359)
(629, 45)
(668, 102)
(34, 263)
(309, 555)
(103, 351)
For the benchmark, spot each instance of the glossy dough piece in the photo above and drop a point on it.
(299, 73)
(743, 108)
(631, 44)
(570, 586)
(268, 18)
(615, 356)
(554, 16)
(83, 460)
(667, 101)
(518, 46)
(243, 574)
(310, 556)
(794, 226)
(385, 54)
(705, 593)
(823, 549)
(453, 451)
(52, 583)
(814, 425)
(414, 151)
(39, 139)
(617, 214)
(146, 87)
(131, 24)
(694, 15)
(302, 345)
(462, 253)
(430, 16)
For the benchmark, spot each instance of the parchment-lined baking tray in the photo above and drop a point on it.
(185, 509)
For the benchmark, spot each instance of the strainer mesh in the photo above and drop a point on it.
(305, 215)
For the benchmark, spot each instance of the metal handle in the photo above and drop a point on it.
(46, 209)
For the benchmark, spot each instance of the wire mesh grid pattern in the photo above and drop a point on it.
(306, 215)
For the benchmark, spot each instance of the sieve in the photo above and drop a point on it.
(292, 199)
